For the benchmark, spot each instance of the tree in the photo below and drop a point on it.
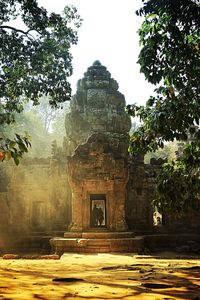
(58, 125)
(170, 59)
(35, 60)
(168, 152)
(46, 112)
(34, 120)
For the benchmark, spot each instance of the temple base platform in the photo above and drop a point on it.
(97, 242)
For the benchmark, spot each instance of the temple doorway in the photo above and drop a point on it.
(38, 214)
(98, 211)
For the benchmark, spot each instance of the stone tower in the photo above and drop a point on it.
(97, 129)
(97, 107)
(96, 146)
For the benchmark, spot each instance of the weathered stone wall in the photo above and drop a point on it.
(34, 198)
(95, 169)
(140, 192)
(140, 215)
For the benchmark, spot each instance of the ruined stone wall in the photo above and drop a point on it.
(34, 197)
(140, 192)
(140, 215)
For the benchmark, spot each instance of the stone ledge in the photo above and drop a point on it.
(95, 245)
(99, 235)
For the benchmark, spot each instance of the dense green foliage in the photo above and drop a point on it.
(14, 148)
(43, 124)
(178, 184)
(34, 57)
(170, 59)
(168, 152)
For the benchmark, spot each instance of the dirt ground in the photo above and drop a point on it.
(101, 276)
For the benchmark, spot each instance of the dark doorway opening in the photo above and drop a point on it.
(98, 210)
(38, 215)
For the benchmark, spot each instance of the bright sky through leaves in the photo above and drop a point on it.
(109, 34)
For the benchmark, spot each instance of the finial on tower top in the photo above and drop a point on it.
(97, 63)
(97, 76)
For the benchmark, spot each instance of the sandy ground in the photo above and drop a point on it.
(100, 276)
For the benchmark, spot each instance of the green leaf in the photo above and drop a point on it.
(16, 159)
(12, 145)
(22, 147)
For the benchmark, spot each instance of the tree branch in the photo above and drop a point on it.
(18, 30)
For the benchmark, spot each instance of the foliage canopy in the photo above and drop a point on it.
(170, 59)
(35, 59)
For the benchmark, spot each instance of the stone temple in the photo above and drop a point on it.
(97, 128)
(90, 195)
